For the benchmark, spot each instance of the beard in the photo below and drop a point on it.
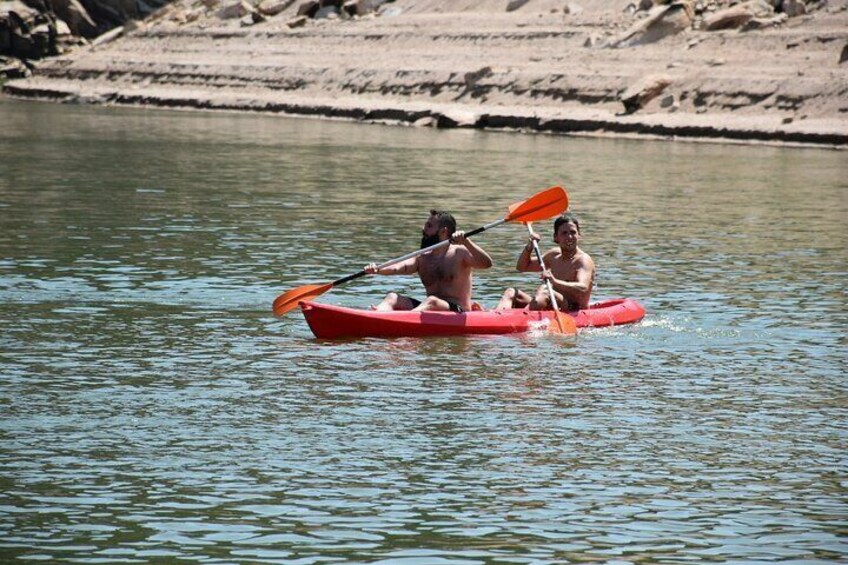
(428, 240)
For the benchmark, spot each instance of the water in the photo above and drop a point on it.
(153, 410)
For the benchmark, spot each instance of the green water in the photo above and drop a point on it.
(153, 410)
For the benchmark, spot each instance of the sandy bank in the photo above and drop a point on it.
(539, 68)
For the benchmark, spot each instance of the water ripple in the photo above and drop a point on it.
(154, 410)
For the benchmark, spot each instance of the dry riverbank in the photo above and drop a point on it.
(546, 66)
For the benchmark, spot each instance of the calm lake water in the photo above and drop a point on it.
(152, 409)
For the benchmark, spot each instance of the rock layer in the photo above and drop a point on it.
(542, 66)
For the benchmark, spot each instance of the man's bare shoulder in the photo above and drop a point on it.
(585, 260)
(553, 254)
(460, 251)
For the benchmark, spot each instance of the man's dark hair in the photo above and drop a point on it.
(445, 220)
(567, 218)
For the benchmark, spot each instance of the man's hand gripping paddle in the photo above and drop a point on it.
(541, 206)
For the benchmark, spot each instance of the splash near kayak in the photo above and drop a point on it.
(333, 322)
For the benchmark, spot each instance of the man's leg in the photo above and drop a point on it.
(395, 301)
(542, 300)
(433, 303)
(513, 298)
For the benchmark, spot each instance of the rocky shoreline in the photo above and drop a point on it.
(752, 73)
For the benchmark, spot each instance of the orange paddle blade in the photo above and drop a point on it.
(541, 206)
(290, 299)
(562, 324)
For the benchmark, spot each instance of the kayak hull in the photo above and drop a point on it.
(333, 322)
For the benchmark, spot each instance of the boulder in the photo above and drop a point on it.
(109, 36)
(299, 21)
(515, 5)
(737, 16)
(844, 55)
(233, 9)
(426, 122)
(457, 118)
(35, 45)
(108, 14)
(308, 9)
(26, 33)
(273, 7)
(793, 8)
(62, 29)
(351, 8)
(643, 91)
(13, 68)
(76, 16)
(21, 11)
(327, 12)
(252, 19)
(360, 7)
(661, 22)
(763, 23)
(670, 103)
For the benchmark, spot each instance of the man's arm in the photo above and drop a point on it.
(477, 258)
(579, 291)
(527, 260)
(408, 267)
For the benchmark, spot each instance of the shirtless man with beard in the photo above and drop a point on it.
(445, 272)
(570, 270)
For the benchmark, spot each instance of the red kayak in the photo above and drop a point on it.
(330, 322)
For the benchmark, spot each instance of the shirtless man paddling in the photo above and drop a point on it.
(570, 270)
(445, 272)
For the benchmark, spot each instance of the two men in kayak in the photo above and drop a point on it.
(444, 271)
(570, 270)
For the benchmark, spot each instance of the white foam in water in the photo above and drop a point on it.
(659, 322)
(538, 328)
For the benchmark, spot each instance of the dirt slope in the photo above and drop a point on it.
(545, 66)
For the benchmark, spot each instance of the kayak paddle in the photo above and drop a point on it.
(564, 323)
(541, 206)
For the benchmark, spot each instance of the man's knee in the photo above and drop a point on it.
(431, 302)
